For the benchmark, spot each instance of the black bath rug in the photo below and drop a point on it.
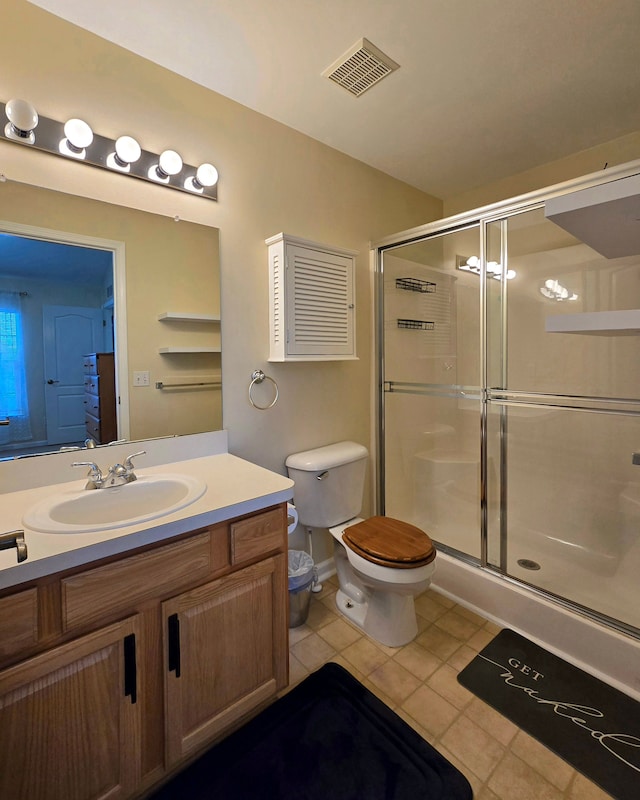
(588, 723)
(329, 738)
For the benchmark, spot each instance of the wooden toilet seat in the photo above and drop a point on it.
(390, 543)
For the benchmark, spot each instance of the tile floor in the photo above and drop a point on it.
(418, 681)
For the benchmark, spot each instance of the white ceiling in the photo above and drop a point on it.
(485, 89)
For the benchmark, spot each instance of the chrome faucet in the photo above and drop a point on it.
(14, 539)
(118, 474)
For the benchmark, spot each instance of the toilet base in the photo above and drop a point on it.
(388, 618)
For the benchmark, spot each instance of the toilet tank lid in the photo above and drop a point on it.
(331, 455)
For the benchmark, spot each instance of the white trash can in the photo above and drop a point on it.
(301, 577)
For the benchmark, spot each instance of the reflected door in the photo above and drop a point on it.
(70, 332)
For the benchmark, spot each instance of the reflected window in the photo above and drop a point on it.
(14, 404)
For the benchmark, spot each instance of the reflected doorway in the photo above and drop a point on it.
(66, 309)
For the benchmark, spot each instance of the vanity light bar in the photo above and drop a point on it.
(59, 139)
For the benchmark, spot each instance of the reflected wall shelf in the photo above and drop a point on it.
(602, 323)
(181, 316)
(169, 350)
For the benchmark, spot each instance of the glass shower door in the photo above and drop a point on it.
(563, 417)
(431, 372)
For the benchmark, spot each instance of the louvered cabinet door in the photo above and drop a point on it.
(70, 720)
(320, 306)
(312, 313)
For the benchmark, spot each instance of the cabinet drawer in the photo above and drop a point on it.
(92, 426)
(92, 404)
(89, 596)
(90, 363)
(257, 535)
(18, 622)
(91, 383)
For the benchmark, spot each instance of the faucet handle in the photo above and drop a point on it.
(128, 463)
(94, 474)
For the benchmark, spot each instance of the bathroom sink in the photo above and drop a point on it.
(91, 510)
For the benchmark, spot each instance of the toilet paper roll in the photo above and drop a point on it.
(292, 518)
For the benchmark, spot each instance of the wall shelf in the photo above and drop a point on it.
(602, 323)
(175, 350)
(181, 316)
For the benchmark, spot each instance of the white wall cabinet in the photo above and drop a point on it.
(312, 312)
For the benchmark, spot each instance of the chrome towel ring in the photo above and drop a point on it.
(258, 376)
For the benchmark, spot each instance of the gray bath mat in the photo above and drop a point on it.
(588, 723)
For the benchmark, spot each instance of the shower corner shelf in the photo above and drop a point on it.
(603, 323)
(416, 324)
(415, 285)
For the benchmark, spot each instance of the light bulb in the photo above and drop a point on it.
(78, 136)
(78, 133)
(127, 149)
(23, 118)
(206, 175)
(169, 162)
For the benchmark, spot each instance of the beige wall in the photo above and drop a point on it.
(272, 179)
(617, 151)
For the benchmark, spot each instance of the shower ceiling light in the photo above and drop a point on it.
(494, 269)
(553, 290)
(75, 139)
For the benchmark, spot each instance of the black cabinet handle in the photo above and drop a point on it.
(130, 668)
(174, 644)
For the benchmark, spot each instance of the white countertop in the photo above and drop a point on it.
(234, 487)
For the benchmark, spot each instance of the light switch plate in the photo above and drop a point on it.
(141, 378)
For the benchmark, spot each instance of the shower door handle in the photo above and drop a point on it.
(635, 459)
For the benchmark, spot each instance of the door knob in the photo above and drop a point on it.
(50, 381)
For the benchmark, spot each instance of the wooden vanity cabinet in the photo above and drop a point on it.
(141, 661)
(70, 720)
(219, 650)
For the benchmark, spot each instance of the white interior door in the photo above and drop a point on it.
(70, 332)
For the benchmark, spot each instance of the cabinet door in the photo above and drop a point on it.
(225, 645)
(70, 720)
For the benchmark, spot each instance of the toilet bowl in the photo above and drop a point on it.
(378, 598)
(381, 563)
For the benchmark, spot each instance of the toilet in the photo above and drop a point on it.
(381, 563)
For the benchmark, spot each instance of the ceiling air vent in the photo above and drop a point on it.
(360, 67)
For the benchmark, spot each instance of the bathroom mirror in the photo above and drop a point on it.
(154, 285)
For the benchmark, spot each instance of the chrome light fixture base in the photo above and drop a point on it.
(50, 137)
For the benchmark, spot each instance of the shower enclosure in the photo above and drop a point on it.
(509, 405)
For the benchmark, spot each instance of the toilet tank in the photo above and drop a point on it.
(329, 483)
